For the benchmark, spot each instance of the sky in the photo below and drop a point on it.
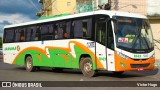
(17, 11)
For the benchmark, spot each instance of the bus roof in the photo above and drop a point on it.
(103, 12)
(55, 16)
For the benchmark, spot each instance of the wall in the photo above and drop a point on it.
(134, 6)
(153, 7)
(56, 7)
(155, 25)
(84, 6)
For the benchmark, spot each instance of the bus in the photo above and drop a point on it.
(92, 41)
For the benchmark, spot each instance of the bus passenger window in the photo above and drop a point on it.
(68, 29)
(78, 29)
(9, 38)
(47, 32)
(22, 39)
(60, 31)
(17, 35)
(87, 28)
(84, 29)
(56, 34)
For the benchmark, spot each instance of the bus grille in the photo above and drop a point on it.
(139, 65)
(140, 59)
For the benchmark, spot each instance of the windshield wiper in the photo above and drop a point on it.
(144, 40)
(137, 36)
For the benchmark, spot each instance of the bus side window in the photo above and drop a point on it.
(60, 30)
(47, 32)
(17, 35)
(38, 34)
(28, 34)
(9, 38)
(33, 33)
(87, 28)
(68, 29)
(78, 29)
(22, 35)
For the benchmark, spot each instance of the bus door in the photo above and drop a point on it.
(110, 46)
(105, 43)
(100, 41)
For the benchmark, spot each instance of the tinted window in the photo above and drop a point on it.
(31, 33)
(9, 36)
(19, 35)
(82, 28)
(68, 29)
(47, 31)
(60, 30)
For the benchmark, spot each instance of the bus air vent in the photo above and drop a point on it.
(139, 65)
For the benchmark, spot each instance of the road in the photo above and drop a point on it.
(17, 73)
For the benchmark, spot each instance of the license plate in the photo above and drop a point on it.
(140, 69)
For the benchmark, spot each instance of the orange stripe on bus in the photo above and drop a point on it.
(30, 48)
(84, 48)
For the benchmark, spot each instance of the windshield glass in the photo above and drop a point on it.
(133, 34)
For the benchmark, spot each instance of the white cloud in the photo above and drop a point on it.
(12, 19)
(16, 2)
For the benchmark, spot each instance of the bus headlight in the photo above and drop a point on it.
(122, 55)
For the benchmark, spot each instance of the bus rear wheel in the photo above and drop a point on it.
(86, 67)
(29, 64)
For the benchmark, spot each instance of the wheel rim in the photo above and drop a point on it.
(29, 64)
(88, 67)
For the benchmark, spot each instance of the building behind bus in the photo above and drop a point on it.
(150, 8)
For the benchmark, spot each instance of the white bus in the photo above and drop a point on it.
(92, 41)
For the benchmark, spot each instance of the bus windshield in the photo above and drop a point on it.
(133, 34)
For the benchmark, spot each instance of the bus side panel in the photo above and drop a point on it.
(66, 54)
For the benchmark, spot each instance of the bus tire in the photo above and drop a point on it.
(86, 67)
(29, 64)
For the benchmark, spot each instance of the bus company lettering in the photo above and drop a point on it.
(102, 58)
(137, 56)
(90, 44)
(12, 48)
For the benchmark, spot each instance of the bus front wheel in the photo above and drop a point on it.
(29, 64)
(87, 67)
